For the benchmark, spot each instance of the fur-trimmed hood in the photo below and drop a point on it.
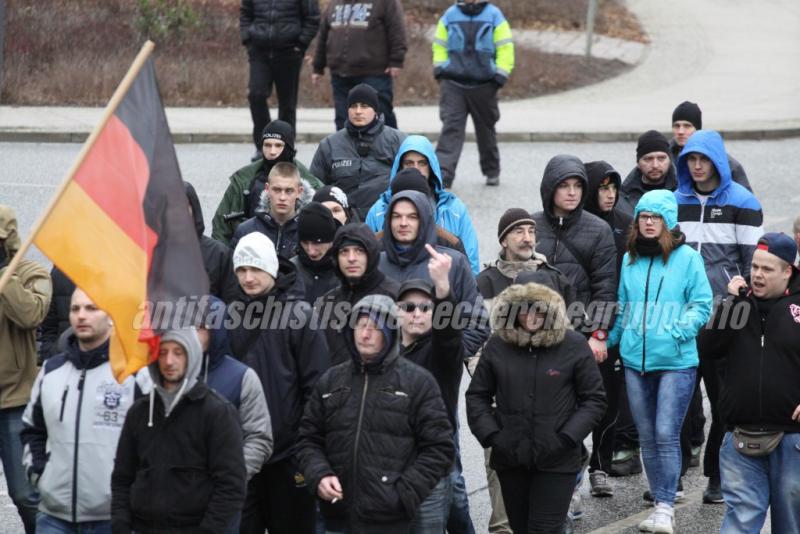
(512, 300)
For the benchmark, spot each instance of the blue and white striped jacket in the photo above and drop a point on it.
(724, 227)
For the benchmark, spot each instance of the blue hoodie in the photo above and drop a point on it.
(662, 306)
(726, 226)
(451, 213)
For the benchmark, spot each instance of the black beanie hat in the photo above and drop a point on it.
(364, 94)
(331, 193)
(651, 141)
(511, 218)
(688, 111)
(279, 130)
(315, 223)
(410, 180)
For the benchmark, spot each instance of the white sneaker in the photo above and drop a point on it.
(648, 524)
(664, 519)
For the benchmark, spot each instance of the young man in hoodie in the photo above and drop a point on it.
(375, 439)
(179, 465)
(407, 230)
(451, 214)
(315, 263)
(361, 43)
(283, 197)
(276, 337)
(216, 256)
(473, 56)
(62, 424)
(243, 195)
(723, 221)
(23, 305)
(356, 252)
(356, 158)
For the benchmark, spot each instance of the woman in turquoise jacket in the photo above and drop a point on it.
(664, 300)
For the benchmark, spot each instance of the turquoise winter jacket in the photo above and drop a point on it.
(662, 307)
(451, 213)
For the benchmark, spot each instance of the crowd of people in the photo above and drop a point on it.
(317, 390)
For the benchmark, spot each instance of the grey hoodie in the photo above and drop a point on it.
(187, 338)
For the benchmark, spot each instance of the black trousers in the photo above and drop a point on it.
(710, 372)
(267, 68)
(456, 102)
(603, 436)
(536, 502)
(278, 501)
(626, 436)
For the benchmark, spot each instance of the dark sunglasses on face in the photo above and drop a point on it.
(409, 307)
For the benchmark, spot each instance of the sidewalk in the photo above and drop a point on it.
(738, 60)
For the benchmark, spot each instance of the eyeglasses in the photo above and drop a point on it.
(652, 218)
(409, 307)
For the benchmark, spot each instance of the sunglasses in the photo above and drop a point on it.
(409, 307)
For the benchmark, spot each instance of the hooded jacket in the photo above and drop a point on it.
(724, 227)
(737, 171)
(358, 162)
(24, 303)
(619, 222)
(580, 245)
(237, 205)
(451, 213)
(762, 359)
(662, 306)
(240, 386)
(179, 464)
(361, 38)
(280, 24)
(633, 187)
(70, 433)
(342, 298)
(380, 427)
(546, 385)
(276, 337)
(217, 258)
(412, 262)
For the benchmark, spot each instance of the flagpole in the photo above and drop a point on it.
(111, 107)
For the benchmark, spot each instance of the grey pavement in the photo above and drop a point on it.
(30, 173)
(737, 59)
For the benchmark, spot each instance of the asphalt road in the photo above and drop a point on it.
(29, 174)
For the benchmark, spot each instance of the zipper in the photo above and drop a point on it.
(558, 239)
(761, 371)
(358, 429)
(75, 457)
(63, 404)
(644, 313)
(702, 218)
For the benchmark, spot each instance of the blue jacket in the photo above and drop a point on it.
(661, 307)
(724, 228)
(451, 213)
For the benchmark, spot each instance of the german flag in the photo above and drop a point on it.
(121, 228)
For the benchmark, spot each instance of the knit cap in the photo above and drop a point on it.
(256, 250)
(511, 218)
(688, 111)
(651, 141)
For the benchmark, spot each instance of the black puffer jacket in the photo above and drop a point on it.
(288, 356)
(217, 258)
(547, 387)
(277, 24)
(381, 428)
(619, 222)
(633, 188)
(337, 303)
(358, 161)
(580, 245)
(761, 359)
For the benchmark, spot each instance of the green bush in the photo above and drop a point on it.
(162, 19)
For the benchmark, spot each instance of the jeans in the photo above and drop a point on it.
(268, 67)
(47, 524)
(383, 84)
(432, 514)
(536, 501)
(658, 402)
(24, 496)
(750, 485)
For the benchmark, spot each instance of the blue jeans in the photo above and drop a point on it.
(751, 485)
(383, 84)
(459, 521)
(47, 524)
(658, 402)
(24, 496)
(432, 514)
